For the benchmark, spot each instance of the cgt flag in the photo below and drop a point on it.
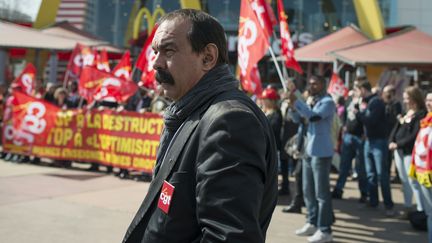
(144, 57)
(252, 43)
(253, 84)
(265, 14)
(287, 44)
(145, 63)
(98, 85)
(123, 69)
(26, 80)
(81, 56)
(336, 87)
(30, 120)
(421, 162)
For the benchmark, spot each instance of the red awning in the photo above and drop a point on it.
(67, 30)
(318, 51)
(406, 47)
(16, 36)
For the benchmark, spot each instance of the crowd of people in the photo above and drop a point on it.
(368, 128)
(219, 153)
(371, 129)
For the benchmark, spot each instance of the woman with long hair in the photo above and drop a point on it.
(402, 141)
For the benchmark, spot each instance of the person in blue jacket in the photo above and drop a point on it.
(318, 110)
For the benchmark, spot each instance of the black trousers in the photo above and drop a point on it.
(298, 196)
(284, 173)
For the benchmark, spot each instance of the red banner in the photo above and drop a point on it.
(124, 140)
(287, 44)
(337, 87)
(26, 80)
(252, 43)
(98, 85)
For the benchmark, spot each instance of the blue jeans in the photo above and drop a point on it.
(426, 194)
(375, 153)
(352, 147)
(410, 186)
(316, 191)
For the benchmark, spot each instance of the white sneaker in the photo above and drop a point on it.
(320, 237)
(307, 230)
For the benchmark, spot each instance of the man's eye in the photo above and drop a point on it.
(169, 52)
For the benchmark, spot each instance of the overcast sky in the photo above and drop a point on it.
(28, 7)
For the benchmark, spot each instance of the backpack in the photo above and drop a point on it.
(418, 220)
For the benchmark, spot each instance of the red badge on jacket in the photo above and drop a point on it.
(165, 197)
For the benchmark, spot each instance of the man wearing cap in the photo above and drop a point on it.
(269, 100)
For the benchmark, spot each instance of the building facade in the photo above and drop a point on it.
(414, 12)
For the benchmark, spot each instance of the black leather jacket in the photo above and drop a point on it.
(222, 163)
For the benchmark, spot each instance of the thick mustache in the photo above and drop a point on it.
(164, 77)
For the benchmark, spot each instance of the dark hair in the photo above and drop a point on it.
(205, 30)
(317, 78)
(366, 85)
(341, 100)
(416, 96)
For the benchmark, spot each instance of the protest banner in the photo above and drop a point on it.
(121, 139)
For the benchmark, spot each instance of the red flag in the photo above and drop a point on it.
(31, 119)
(98, 85)
(145, 63)
(26, 80)
(123, 69)
(145, 58)
(287, 44)
(252, 43)
(337, 87)
(265, 15)
(81, 56)
(252, 84)
(148, 80)
(421, 162)
(102, 62)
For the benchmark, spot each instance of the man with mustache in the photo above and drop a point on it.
(215, 178)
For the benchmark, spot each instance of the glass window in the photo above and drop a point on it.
(19, 10)
(385, 6)
(166, 5)
(226, 11)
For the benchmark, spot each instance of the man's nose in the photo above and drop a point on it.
(158, 62)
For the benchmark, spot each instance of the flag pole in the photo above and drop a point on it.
(278, 69)
(65, 78)
(285, 70)
(133, 73)
(296, 92)
(81, 102)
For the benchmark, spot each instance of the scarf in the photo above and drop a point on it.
(421, 163)
(216, 81)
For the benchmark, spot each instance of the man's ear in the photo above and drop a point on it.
(210, 56)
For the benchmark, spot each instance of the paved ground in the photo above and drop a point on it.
(47, 205)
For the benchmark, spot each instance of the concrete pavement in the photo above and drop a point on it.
(45, 204)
